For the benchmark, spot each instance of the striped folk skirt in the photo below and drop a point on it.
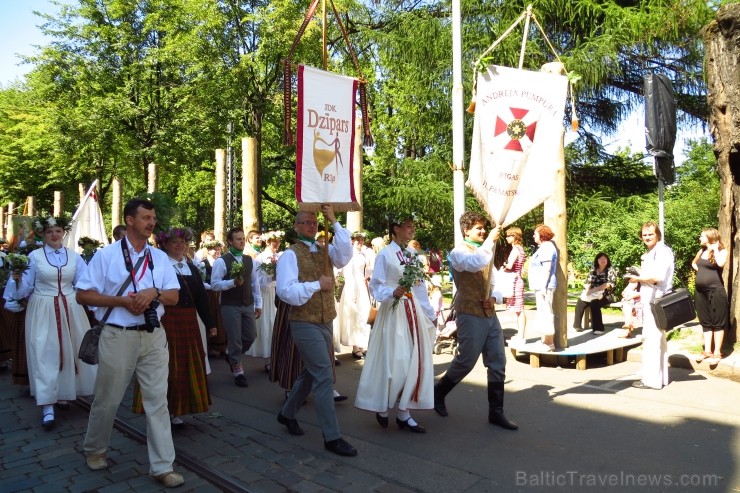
(14, 326)
(187, 386)
(286, 360)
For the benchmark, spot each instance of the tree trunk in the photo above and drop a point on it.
(722, 42)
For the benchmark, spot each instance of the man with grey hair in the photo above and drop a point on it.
(305, 281)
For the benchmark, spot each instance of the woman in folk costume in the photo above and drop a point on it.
(398, 368)
(354, 305)
(187, 386)
(265, 265)
(55, 322)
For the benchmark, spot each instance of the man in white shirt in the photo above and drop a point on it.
(241, 302)
(306, 282)
(132, 340)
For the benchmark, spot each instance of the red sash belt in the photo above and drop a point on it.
(413, 324)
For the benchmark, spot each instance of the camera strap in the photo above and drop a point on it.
(122, 289)
(146, 258)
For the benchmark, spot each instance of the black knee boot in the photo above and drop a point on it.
(441, 389)
(496, 406)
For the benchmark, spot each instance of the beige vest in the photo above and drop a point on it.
(321, 307)
(472, 287)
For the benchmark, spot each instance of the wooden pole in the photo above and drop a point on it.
(9, 229)
(152, 178)
(250, 184)
(30, 209)
(219, 209)
(115, 213)
(3, 227)
(556, 218)
(58, 203)
(354, 218)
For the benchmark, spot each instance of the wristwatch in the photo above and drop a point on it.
(159, 293)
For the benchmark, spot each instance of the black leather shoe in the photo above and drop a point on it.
(340, 398)
(48, 424)
(293, 427)
(340, 447)
(382, 420)
(63, 406)
(641, 385)
(417, 428)
(241, 381)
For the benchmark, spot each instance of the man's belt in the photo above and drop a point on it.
(130, 327)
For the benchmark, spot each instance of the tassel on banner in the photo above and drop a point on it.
(367, 139)
(287, 105)
(471, 106)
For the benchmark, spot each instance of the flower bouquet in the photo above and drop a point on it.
(237, 270)
(18, 264)
(338, 287)
(268, 266)
(413, 274)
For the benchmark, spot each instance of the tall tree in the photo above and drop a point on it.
(722, 39)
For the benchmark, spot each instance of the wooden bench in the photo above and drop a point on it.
(587, 314)
(581, 346)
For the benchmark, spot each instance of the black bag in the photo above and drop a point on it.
(672, 309)
(89, 346)
(88, 352)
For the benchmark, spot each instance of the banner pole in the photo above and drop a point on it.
(524, 36)
(324, 62)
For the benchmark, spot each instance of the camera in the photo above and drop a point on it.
(150, 316)
(632, 271)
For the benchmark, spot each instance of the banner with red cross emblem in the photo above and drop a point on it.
(517, 135)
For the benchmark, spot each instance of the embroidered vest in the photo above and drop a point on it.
(471, 289)
(238, 295)
(321, 307)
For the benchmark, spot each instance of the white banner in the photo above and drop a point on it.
(87, 221)
(326, 137)
(517, 137)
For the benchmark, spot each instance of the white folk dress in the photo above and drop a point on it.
(55, 326)
(262, 346)
(354, 305)
(398, 368)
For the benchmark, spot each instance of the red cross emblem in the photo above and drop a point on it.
(516, 134)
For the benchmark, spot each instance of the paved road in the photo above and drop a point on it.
(584, 430)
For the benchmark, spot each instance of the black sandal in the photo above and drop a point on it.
(358, 354)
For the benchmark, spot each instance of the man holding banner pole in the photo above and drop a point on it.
(478, 328)
(303, 283)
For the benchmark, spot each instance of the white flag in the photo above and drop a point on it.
(517, 137)
(87, 221)
(326, 140)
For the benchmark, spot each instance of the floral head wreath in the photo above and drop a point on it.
(322, 234)
(164, 236)
(40, 224)
(398, 218)
(358, 234)
(87, 241)
(273, 235)
(212, 245)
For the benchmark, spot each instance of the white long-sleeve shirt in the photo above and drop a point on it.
(297, 293)
(218, 283)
